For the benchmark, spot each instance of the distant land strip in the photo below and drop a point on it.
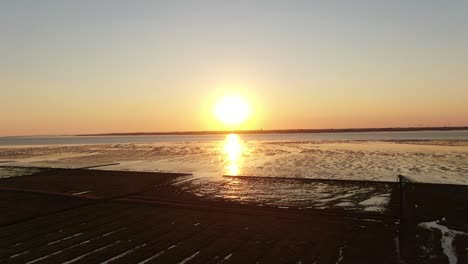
(284, 131)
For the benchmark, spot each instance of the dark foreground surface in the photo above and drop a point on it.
(91, 216)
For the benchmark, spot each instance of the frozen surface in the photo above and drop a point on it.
(423, 161)
(376, 203)
(447, 237)
(292, 193)
(13, 172)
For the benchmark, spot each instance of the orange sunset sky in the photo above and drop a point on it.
(122, 66)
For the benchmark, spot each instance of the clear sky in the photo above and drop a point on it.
(119, 66)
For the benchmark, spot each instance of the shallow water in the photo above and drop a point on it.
(73, 140)
(425, 161)
(439, 161)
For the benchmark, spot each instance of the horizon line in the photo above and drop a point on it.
(282, 131)
(259, 131)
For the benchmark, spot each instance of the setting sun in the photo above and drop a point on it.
(232, 110)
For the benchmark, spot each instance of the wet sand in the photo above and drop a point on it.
(94, 216)
(423, 161)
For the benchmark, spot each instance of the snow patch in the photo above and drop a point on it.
(447, 238)
(189, 258)
(124, 253)
(63, 239)
(80, 193)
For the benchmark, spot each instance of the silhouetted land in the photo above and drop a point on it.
(92, 216)
(285, 131)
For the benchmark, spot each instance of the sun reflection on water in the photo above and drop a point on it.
(233, 149)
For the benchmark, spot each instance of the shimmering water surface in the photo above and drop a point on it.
(62, 140)
(423, 156)
(440, 157)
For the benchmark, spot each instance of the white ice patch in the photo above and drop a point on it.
(374, 209)
(89, 253)
(376, 203)
(73, 246)
(17, 244)
(80, 193)
(19, 254)
(13, 172)
(344, 204)
(44, 257)
(171, 247)
(151, 258)
(337, 197)
(112, 232)
(341, 256)
(63, 239)
(157, 255)
(123, 254)
(189, 258)
(447, 238)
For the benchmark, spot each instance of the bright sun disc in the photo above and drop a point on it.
(232, 110)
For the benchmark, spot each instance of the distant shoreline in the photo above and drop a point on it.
(283, 131)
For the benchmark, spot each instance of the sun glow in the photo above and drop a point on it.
(232, 110)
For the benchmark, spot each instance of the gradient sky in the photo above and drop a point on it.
(119, 66)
